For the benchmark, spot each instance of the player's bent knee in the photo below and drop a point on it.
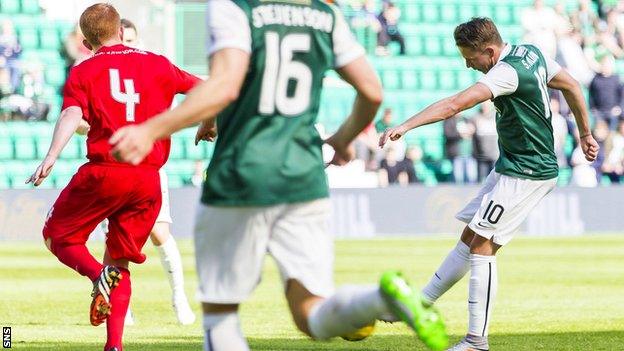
(483, 246)
(160, 233)
(467, 236)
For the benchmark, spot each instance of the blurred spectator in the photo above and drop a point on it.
(601, 134)
(485, 139)
(583, 174)
(563, 25)
(364, 16)
(613, 165)
(539, 23)
(366, 146)
(458, 147)
(389, 20)
(574, 58)
(73, 50)
(392, 171)
(606, 93)
(607, 41)
(615, 27)
(385, 122)
(10, 51)
(560, 133)
(583, 19)
(199, 174)
(130, 35)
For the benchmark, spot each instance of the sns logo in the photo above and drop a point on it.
(6, 337)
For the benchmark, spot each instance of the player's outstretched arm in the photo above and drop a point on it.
(228, 68)
(363, 78)
(574, 97)
(65, 127)
(439, 111)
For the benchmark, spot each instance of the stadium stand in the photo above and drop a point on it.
(431, 69)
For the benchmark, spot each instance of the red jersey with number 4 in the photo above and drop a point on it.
(119, 86)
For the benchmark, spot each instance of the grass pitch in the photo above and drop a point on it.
(554, 294)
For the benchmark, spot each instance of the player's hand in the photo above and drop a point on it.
(131, 143)
(207, 131)
(590, 147)
(42, 171)
(342, 154)
(393, 134)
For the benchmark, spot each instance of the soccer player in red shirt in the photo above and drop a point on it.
(116, 87)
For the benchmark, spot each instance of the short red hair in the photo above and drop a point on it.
(99, 23)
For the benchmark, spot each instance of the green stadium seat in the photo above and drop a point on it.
(433, 149)
(503, 14)
(60, 180)
(411, 13)
(72, 150)
(5, 180)
(409, 79)
(464, 79)
(55, 75)
(391, 79)
(414, 45)
(449, 48)
(433, 46)
(30, 7)
(64, 28)
(22, 134)
(447, 80)
(6, 142)
(177, 151)
(484, 10)
(10, 6)
(466, 12)
(448, 12)
(19, 171)
(55, 108)
(430, 13)
(565, 176)
(28, 38)
(49, 36)
(196, 152)
(428, 80)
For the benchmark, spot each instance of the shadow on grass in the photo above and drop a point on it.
(573, 341)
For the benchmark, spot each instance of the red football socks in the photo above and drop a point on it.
(120, 299)
(78, 258)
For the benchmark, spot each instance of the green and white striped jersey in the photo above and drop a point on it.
(268, 151)
(518, 83)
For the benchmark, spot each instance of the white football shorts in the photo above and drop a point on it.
(231, 243)
(502, 204)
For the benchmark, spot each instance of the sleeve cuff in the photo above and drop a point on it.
(349, 56)
(491, 86)
(228, 44)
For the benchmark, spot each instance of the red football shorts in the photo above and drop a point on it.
(128, 196)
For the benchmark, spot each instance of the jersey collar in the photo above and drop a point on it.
(111, 48)
(504, 53)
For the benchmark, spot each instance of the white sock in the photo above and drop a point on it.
(222, 332)
(454, 267)
(481, 293)
(172, 264)
(349, 309)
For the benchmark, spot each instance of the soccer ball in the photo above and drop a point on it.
(361, 333)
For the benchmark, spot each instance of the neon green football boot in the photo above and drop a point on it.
(406, 303)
